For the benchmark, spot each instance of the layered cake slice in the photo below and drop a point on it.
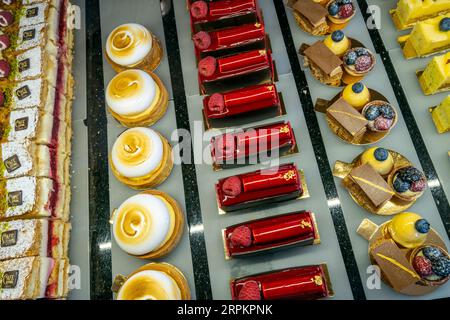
(347, 118)
(311, 16)
(441, 116)
(436, 76)
(34, 237)
(409, 12)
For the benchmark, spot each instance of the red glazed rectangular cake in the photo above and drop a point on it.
(235, 71)
(213, 15)
(230, 41)
(300, 283)
(260, 187)
(262, 235)
(252, 144)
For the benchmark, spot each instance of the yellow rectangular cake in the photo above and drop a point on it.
(409, 12)
(441, 116)
(436, 76)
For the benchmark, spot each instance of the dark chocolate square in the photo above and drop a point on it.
(15, 198)
(8, 238)
(24, 65)
(21, 124)
(23, 92)
(9, 279)
(12, 163)
(29, 34)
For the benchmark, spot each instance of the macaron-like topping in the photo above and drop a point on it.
(202, 40)
(216, 102)
(250, 291)
(232, 186)
(207, 66)
(337, 35)
(444, 25)
(5, 69)
(402, 229)
(6, 18)
(5, 43)
(199, 9)
(241, 237)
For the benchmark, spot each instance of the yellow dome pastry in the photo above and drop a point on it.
(441, 116)
(148, 225)
(132, 46)
(436, 76)
(380, 159)
(136, 98)
(357, 95)
(409, 12)
(408, 229)
(155, 281)
(141, 158)
(338, 43)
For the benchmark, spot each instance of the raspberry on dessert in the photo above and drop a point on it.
(363, 63)
(346, 11)
(202, 40)
(422, 225)
(5, 69)
(225, 145)
(207, 66)
(250, 291)
(199, 9)
(422, 266)
(441, 266)
(400, 185)
(241, 237)
(216, 102)
(382, 124)
(432, 253)
(418, 186)
(5, 43)
(372, 113)
(232, 186)
(6, 18)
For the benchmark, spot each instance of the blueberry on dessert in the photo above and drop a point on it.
(432, 264)
(341, 11)
(409, 183)
(356, 94)
(337, 42)
(444, 25)
(359, 61)
(380, 114)
(380, 159)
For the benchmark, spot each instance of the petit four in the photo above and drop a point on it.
(381, 115)
(427, 37)
(133, 46)
(136, 98)
(282, 231)
(358, 61)
(436, 76)
(348, 119)
(311, 16)
(214, 15)
(441, 115)
(408, 182)
(148, 225)
(141, 158)
(34, 237)
(237, 148)
(261, 187)
(300, 283)
(409, 12)
(235, 71)
(356, 94)
(408, 230)
(379, 159)
(230, 40)
(341, 11)
(154, 281)
(338, 43)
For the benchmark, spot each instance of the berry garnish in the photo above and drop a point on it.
(387, 111)
(432, 253)
(418, 186)
(363, 63)
(207, 66)
(358, 87)
(422, 266)
(361, 52)
(333, 9)
(232, 186)
(411, 174)
(350, 58)
(400, 185)
(441, 266)
(444, 25)
(250, 291)
(199, 9)
(372, 113)
(422, 225)
(337, 36)
(381, 154)
(382, 124)
(6, 18)
(346, 11)
(216, 102)
(202, 40)
(241, 237)
(346, 1)
(5, 69)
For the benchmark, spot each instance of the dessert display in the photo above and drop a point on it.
(235, 71)
(381, 181)
(141, 158)
(231, 40)
(356, 94)
(154, 281)
(136, 98)
(237, 106)
(243, 146)
(409, 12)
(320, 17)
(133, 46)
(148, 225)
(436, 76)
(214, 15)
(412, 256)
(36, 94)
(273, 233)
(441, 115)
(300, 283)
(427, 37)
(261, 187)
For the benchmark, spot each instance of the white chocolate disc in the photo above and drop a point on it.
(150, 285)
(129, 44)
(131, 92)
(142, 224)
(137, 152)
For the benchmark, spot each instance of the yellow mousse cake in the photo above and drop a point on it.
(436, 76)
(427, 37)
(406, 230)
(380, 159)
(356, 94)
(441, 116)
(409, 12)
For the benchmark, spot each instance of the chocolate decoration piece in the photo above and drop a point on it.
(314, 12)
(21, 124)
(24, 65)
(372, 184)
(29, 35)
(9, 279)
(394, 265)
(15, 198)
(8, 238)
(32, 12)
(23, 92)
(348, 117)
(324, 58)
(12, 163)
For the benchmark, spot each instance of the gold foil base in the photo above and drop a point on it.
(393, 206)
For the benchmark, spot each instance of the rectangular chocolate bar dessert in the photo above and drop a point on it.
(273, 233)
(348, 118)
(324, 64)
(313, 16)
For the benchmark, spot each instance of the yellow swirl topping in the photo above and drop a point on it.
(125, 39)
(134, 147)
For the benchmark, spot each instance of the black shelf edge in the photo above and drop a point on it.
(321, 157)
(437, 191)
(193, 209)
(99, 206)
